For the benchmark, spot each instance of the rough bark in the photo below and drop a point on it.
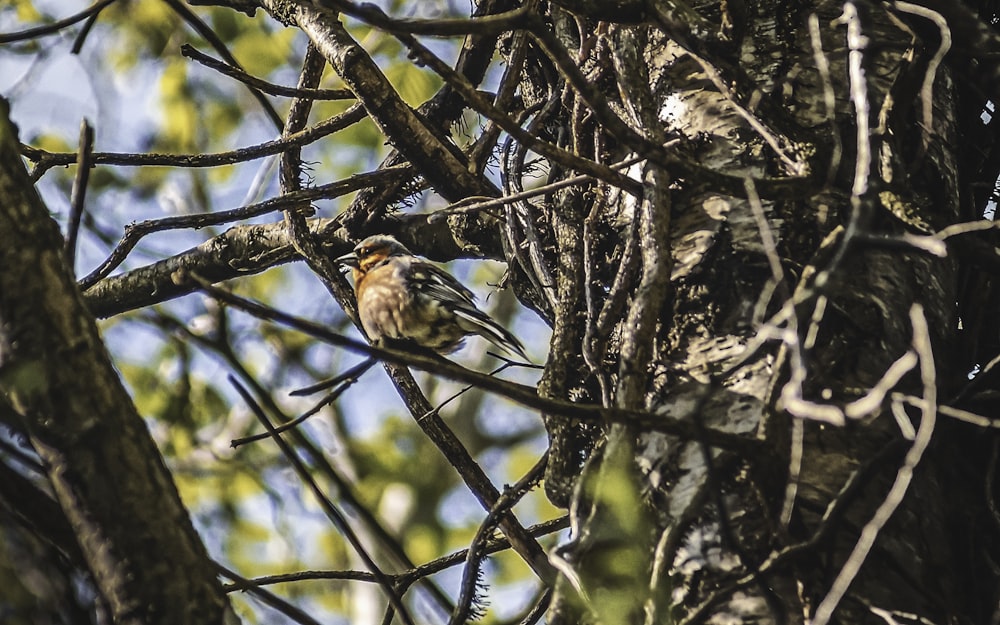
(107, 475)
(748, 101)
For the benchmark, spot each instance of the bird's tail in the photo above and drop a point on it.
(476, 321)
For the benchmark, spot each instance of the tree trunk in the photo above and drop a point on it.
(107, 474)
(792, 198)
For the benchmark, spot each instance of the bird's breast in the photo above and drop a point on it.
(389, 312)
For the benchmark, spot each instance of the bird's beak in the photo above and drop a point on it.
(350, 259)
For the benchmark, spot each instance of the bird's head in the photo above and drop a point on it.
(372, 251)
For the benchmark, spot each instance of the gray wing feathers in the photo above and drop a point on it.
(480, 323)
(440, 285)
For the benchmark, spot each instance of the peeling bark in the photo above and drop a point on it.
(719, 520)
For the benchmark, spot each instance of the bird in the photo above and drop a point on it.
(407, 302)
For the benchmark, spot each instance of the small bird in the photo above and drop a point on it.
(408, 301)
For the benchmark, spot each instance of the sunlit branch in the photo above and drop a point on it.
(270, 88)
(46, 160)
(519, 393)
(930, 74)
(135, 232)
(54, 27)
(829, 98)
(203, 29)
(332, 512)
(904, 476)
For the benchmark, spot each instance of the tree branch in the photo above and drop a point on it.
(438, 159)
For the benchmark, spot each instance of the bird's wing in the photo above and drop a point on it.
(441, 285)
(480, 323)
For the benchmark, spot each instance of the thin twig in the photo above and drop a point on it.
(341, 384)
(136, 231)
(538, 608)
(335, 515)
(79, 193)
(268, 598)
(54, 27)
(904, 476)
(477, 548)
(85, 30)
(46, 160)
(213, 39)
(494, 545)
(322, 385)
(267, 87)
(519, 214)
(470, 205)
(778, 143)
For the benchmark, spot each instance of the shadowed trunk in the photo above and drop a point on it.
(770, 275)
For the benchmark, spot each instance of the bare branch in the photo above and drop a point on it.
(332, 512)
(47, 160)
(54, 27)
(79, 193)
(135, 232)
(290, 92)
(928, 420)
